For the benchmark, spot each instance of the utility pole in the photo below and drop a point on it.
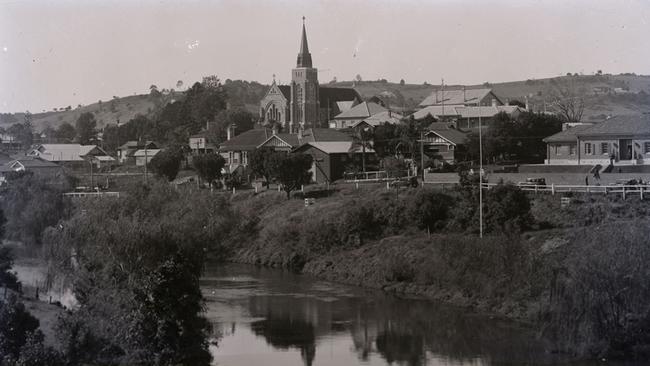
(422, 155)
(91, 173)
(480, 173)
(442, 87)
(145, 162)
(363, 150)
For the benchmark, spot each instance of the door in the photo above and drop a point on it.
(625, 149)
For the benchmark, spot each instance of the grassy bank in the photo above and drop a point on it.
(574, 273)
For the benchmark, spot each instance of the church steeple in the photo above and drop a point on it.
(304, 57)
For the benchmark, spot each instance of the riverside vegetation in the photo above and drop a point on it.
(578, 274)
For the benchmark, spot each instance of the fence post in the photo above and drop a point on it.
(623, 192)
(302, 188)
(356, 184)
(553, 189)
(388, 186)
(641, 192)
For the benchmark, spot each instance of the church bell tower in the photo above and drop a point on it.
(304, 89)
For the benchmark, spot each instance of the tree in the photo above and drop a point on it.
(261, 163)
(394, 167)
(16, 325)
(179, 84)
(358, 78)
(292, 171)
(85, 127)
(402, 82)
(568, 102)
(66, 132)
(167, 163)
(208, 166)
(507, 209)
(240, 117)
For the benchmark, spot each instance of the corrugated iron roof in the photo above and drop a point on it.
(467, 96)
(568, 135)
(362, 110)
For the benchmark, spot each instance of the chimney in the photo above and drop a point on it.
(464, 96)
(527, 105)
(507, 101)
(274, 129)
(494, 102)
(231, 131)
(301, 130)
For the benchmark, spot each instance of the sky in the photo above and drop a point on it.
(59, 53)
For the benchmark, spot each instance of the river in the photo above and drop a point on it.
(276, 318)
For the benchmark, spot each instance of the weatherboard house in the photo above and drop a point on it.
(304, 103)
(621, 140)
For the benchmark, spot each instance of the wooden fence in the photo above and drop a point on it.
(91, 194)
(624, 190)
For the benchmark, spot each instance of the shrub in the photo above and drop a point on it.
(16, 325)
(7, 278)
(506, 209)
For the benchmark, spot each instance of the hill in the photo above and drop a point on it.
(632, 96)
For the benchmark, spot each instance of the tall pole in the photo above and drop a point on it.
(145, 162)
(91, 174)
(480, 173)
(422, 155)
(442, 87)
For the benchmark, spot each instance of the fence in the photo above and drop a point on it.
(374, 176)
(625, 190)
(92, 194)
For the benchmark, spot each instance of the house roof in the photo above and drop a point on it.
(620, 125)
(448, 132)
(362, 110)
(345, 105)
(465, 111)
(467, 96)
(383, 117)
(336, 147)
(148, 152)
(324, 135)
(568, 135)
(246, 141)
(134, 144)
(66, 152)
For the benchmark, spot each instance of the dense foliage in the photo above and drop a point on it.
(167, 163)
(136, 274)
(208, 166)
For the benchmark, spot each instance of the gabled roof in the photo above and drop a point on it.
(336, 147)
(286, 91)
(362, 110)
(34, 162)
(246, 141)
(467, 96)
(384, 117)
(289, 139)
(448, 132)
(568, 135)
(134, 144)
(66, 152)
(148, 153)
(345, 105)
(436, 111)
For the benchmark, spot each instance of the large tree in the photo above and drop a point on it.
(66, 132)
(86, 125)
(208, 166)
(167, 163)
(292, 170)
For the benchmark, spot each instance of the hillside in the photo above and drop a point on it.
(634, 99)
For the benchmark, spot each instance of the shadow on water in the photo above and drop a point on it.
(332, 324)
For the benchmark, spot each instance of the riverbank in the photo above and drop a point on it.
(563, 276)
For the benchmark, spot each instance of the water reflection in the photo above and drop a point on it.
(276, 318)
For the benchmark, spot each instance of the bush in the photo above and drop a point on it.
(7, 278)
(16, 326)
(506, 209)
(167, 163)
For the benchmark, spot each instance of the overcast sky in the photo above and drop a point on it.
(59, 53)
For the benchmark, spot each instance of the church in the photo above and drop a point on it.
(304, 103)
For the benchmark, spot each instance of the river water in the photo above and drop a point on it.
(272, 317)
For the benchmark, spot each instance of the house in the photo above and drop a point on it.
(621, 140)
(331, 159)
(9, 142)
(35, 165)
(468, 116)
(444, 143)
(356, 114)
(461, 97)
(144, 156)
(237, 149)
(126, 151)
(74, 156)
(200, 143)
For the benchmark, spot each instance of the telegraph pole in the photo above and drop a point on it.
(422, 155)
(145, 162)
(480, 173)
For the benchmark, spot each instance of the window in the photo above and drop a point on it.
(556, 149)
(646, 147)
(572, 149)
(451, 147)
(604, 148)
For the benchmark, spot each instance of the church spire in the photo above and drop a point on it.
(304, 57)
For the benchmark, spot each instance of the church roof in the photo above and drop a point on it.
(331, 95)
(363, 110)
(286, 91)
(304, 57)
